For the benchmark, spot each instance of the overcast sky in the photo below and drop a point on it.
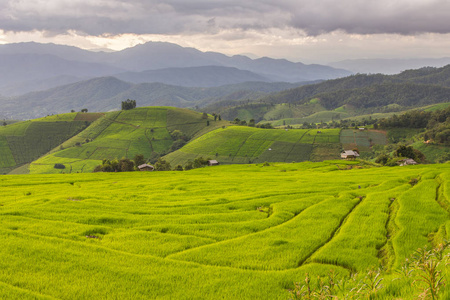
(310, 31)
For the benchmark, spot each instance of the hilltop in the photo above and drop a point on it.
(119, 134)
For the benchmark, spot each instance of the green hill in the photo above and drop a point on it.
(366, 94)
(124, 134)
(238, 144)
(23, 142)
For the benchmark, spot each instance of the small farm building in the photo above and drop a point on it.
(347, 154)
(145, 167)
(406, 162)
(213, 162)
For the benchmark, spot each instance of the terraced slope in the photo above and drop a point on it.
(226, 232)
(237, 144)
(23, 142)
(123, 134)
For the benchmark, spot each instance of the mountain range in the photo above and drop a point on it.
(106, 94)
(389, 66)
(32, 66)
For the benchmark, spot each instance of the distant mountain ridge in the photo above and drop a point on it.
(388, 66)
(206, 76)
(106, 94)
(27, 62)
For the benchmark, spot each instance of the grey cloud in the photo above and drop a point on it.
(97, 17)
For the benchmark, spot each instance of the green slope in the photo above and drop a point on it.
(367, 94)
(237, 144)
(23, 142)
(123, 134)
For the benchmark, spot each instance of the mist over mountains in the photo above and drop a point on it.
(32, 66)
(41, 79)
(389, 66)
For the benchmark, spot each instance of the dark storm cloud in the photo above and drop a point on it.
(97, 17)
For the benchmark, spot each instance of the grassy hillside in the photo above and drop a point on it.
(124, 134)
(237, 144)
(366, 94)
(226, 232)
(23, 142)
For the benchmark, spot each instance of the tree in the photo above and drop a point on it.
(382, 159)
(405, 151)
(84, 110)
(162, 165)
(139, 160)
(200, 162)
(177, 134)
(125, 165)
(189, 165)
(178, 168)
(4, 123)
(205, 116)
(72, 110)
(129, 104)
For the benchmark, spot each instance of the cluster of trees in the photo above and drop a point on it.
(128, 104)
(251, 123)
(401, 152)
(127, 165)
(122, 165)
(163, 165)
(437, 124)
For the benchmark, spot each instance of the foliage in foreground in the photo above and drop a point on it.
(427, 272)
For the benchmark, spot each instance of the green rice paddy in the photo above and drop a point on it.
(224, 232)
(123, 134)
(240, 144)
(23, 142)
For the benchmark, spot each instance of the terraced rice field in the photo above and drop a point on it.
(238, 144)
(122, 134)
(23, 142)
(227, 232)
(362, 139)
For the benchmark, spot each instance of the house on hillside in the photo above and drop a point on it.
(213, 162)
(146, 167)
(407, 162)
(349, 154)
